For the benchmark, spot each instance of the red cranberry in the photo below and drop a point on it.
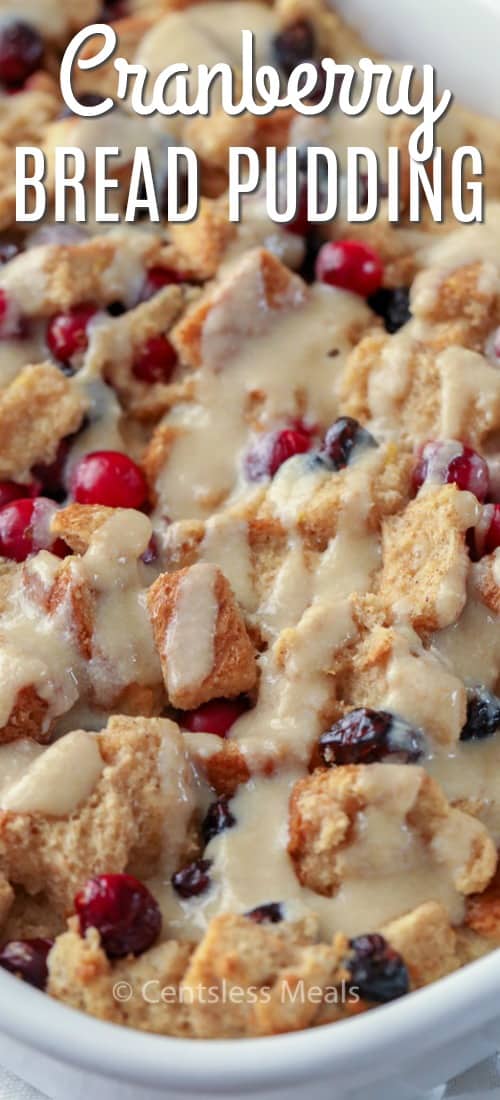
(12, 325)
(217, 818)
(272, 913)
(159, 277)
(217, 716)
(21, 51)
(273, 449)
(125, 913)
(377, 971)
(11, 490)
(483, 715)
(345, 436)
(295, 44)
(449, 462)
(365, 736)
(193, 879)
(28, 960)
(110, 478)
(67, 332)
(24, 529)
(156, 360)
(350, 265)
(486, 534)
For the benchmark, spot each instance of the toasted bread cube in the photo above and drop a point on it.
(200, 635)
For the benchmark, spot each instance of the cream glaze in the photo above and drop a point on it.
(57, 780)
(251, 866)
(265, 369)
(41, 649)
(190, 637)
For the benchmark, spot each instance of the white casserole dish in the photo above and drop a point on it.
(400, 1050)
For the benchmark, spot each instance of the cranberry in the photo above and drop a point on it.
(21, 51)
(483, 715)
(344, 437)
(159, 277)
(11, 490)
(317, 92)
(113, 9)
(393, 305)
(486, 534)
(151, 552)
(365, 736)
(156, 360)
(377, 971)
(123, 910)
(8, 251)
(192, 879)
(273, 449)
(217, 818)
(350, 265)
(217, 716)
(110, 478)
(449, 462)
(299, 223)
(295, 44)
(272, 913)
(88, 99)
(492, 347)
(27, 959)
(67, 332)
(24, 529)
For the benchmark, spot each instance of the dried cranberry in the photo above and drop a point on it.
(300, 224)
(393, 305)
(365, 736)
(350, 265)
(27, 959)
(483, 715)
(87, 99)
(273, 449)
(8, 251)
(446, 462)
(344, 437)
(24, 529)
(217, 716)
(295, 44)
(151, 552)
(113, 9)
(21, 52)
(318, 90)
(485, 537)
(272, 913)
(155, 361)
(110, 478)
(123, 910)
(67, 332)
(192, 879)
(217, 819)
(377, 971)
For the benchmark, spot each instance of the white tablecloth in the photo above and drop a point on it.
(480, 1083)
